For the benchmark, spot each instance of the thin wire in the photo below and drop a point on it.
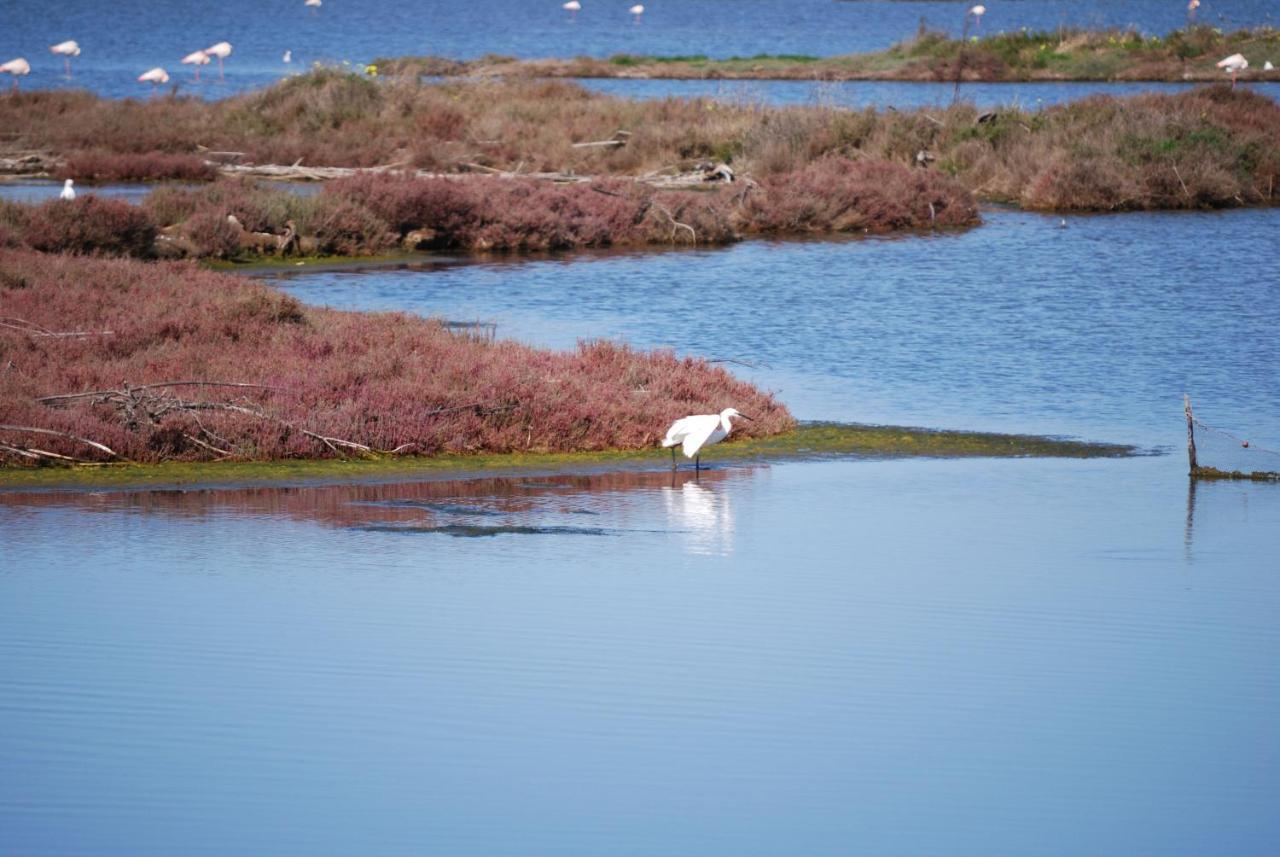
(1244, 443)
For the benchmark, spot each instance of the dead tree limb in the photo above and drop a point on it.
(62, 434)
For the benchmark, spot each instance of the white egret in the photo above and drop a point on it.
(637, 10)
(17, 67)
(1233, 65)
(221, 50)
(68, 192)
(692, 433)
(1267, 66)
(197, 59)
(66, 50)
(288, 56)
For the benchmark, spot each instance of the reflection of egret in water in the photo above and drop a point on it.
(705, 515)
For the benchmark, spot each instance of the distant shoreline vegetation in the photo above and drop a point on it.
(512, 165)
(1022, 55)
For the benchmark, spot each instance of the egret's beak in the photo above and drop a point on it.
(745, 417)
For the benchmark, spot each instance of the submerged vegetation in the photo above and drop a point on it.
(109, 360)
(1021, 55)
(1210, 147)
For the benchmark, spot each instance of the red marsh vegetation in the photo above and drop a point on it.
(320, 382)
(1208, 147)
(369, 213)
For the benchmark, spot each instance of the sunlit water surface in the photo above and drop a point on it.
(1019, 657)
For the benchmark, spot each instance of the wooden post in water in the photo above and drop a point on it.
(1191, 433)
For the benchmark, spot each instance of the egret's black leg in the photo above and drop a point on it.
(697, 463)
(673, 458)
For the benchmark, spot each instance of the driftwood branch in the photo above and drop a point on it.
(62, 434)
(676, 224)
(63, 397)
(32, 329)
(618, 141)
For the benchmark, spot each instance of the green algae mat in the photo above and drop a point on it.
(810, 441)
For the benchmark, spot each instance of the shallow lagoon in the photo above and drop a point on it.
(1017, 657)
(122, 40)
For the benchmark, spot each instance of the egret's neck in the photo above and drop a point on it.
(725, 423)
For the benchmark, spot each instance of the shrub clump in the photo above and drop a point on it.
(105, 166)
(91, 225)
(840, 195)
(385, 380)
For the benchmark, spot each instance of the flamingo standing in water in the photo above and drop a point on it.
(196, 59)
(66, 50)
(573, 6)
(17, 67)
(1233, 65)
(977, 12)
(637, 10)
(1192, 6)
(221, 50)
(155, 77)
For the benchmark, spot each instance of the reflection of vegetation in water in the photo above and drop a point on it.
(810, 441)
(474, 531)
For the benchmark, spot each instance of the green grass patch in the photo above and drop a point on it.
(810, 441)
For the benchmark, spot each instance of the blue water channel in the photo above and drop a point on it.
(978, 657)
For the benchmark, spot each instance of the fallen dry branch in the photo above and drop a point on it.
(62, 434)
(32, 329)
(62, 397)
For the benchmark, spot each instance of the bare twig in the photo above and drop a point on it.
(62, 434)
(96, 393)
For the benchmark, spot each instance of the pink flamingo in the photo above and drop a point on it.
(637, 10)
(66, 50)
(572, 6)
(1233, 65)
(977, 12)
(1192, 6)
(221, 50)
(17, 67)
(196, 59)
(155, 77)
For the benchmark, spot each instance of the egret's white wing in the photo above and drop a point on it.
(678, 431)
(698, 433)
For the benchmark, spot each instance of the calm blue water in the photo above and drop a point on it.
(898, 658)
(120, 40)
(40, 190)
(858, 94)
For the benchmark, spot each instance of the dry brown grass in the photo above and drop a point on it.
(1209, 147)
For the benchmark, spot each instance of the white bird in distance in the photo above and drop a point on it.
(66, 50)
(155, 76)
(1233, 65)
(221, 50)
(16, 67)
(197, 59)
